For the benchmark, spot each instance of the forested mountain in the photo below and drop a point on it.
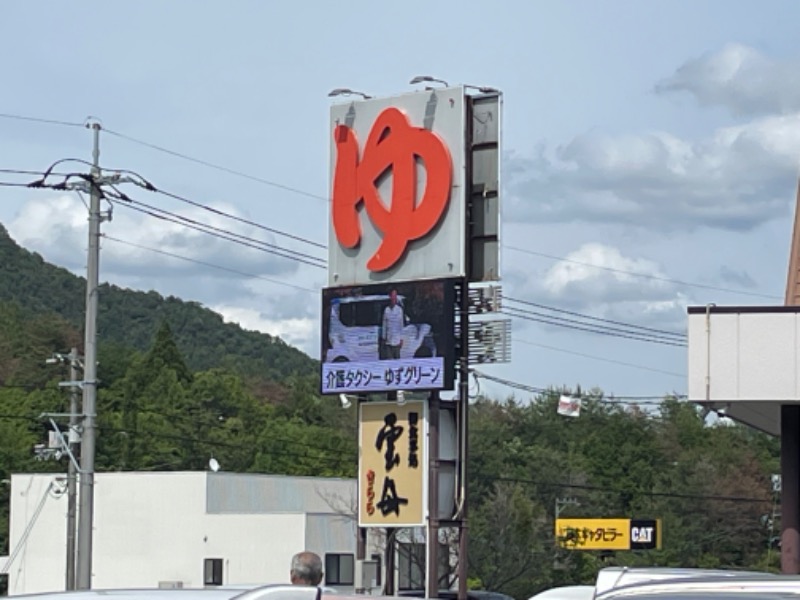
(130, 318)
(179, 386)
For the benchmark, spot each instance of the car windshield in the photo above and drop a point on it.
(361, 314)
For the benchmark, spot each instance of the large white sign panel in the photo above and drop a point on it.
(745, 361)
(397, 210)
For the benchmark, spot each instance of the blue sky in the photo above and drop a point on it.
(658, 137)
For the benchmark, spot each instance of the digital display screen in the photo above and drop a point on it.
(388, 337)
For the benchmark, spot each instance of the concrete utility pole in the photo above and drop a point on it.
(69, 444)
(563, 503)
(72, 473)
(85, 524)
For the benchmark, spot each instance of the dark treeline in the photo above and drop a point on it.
(178, 386)
(709, 482)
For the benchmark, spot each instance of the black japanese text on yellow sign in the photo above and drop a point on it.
(392, 466)
(609, 534)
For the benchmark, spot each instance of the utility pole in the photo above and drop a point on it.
(85, 524)
(563, 503)
(68, 444)
(72, 473)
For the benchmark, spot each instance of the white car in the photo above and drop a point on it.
(566, 592)
(264, 592)
(611, 579)
(668, 583)
(355, 331)
(749, 587)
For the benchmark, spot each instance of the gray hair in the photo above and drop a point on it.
(306, 568)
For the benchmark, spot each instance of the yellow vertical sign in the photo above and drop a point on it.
(393, 465)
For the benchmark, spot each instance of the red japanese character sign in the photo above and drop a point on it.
(393, 144)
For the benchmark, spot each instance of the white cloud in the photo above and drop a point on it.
(56, 226)
(600, 281)
(739, 78)
(300, 332)
(597, 270)
(259, 291)
(603, 274)
(736, 179)
(737, 277)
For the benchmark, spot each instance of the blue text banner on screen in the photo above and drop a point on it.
(383, 375)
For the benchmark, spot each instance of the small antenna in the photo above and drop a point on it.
(213, 464)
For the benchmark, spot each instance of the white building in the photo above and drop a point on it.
(183, 528)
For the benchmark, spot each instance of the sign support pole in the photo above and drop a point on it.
(389, 588)
(432, 571)
(463, 363)
(361, 532)
(463, 421)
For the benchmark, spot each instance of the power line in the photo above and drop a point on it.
(12, 184)
(221, 236)
(217, 167)
(540, 345)
(208, 264)
(30, 387)
(20, 418)
(611, 399)
(595, 328)
(252, 275)
(639, 274)
(221, 230)
(529, 316)
(40, 120)
(600, 358)
(277, 185)
(339, 460)
(274, 438)
(205, 228)
(177, 437)
(520, 314)
(294, 190)
(599, 319)
(180, 438)
(28, 172)
(595, 488)
(242, 220)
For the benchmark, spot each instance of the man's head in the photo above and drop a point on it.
(393, 297)
(306, 569)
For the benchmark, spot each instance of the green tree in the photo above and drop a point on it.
(508, 540)
(292, 447)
